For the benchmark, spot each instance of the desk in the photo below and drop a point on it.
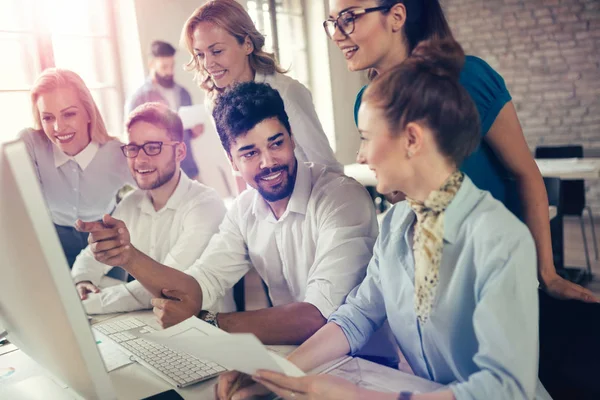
(569, 168)
(361, 173)
(135, 382)
(563, 168)
(366, 177)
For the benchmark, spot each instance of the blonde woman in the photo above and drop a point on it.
(79, 166)
(226, 47)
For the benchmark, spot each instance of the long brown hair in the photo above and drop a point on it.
(425, 88)
(231, 16)
(425, 20)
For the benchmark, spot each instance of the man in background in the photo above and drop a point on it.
(160, 87)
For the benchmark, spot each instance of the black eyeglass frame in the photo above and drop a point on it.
(131, 146)
(354, 13)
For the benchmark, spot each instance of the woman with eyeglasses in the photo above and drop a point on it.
(226, 48)
(444, 259)
(79, 166)
(378, 35)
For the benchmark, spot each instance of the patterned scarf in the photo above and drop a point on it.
(429, 241)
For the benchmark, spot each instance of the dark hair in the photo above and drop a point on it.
(425, 89)
(243, 106)
(425, 20)
(157, 114)
(162, 49)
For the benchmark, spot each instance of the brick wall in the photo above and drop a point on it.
(548, 51)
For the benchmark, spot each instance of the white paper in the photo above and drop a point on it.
(240, 352)
(193, 115)
(111, 353)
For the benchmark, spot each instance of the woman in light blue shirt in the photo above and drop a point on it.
(80, 167)
(453, 271)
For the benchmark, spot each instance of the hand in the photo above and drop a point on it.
(109, 241)
(237, 386)
(176, 307)
(309, 387)
(85, 287)
(560, 288)
(197, 131)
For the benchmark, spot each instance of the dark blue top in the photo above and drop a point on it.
(489, 93)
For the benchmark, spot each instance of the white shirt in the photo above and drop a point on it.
(176, 236)
(316, 252)
(311, 142)
(83, 158)
(83, 186)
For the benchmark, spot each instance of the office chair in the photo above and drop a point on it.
(555, 198)
(573, 193)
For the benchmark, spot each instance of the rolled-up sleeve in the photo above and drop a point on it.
(224, 262)
(347, 232)
(364, 310)
(506, 324)
(86, 268)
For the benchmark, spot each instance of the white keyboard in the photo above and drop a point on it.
(179, 369)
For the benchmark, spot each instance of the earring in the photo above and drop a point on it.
(409, 154)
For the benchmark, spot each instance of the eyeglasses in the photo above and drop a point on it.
(345, 21)
(150, 148)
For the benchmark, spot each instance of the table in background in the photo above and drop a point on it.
(569, 168)
(563, 168)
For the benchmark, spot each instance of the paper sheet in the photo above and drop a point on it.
(239, 352)
(193, 115)
(111, 354)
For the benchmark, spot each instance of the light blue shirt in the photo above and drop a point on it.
(78, 187)
(482, 334)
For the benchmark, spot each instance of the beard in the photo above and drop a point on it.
(162, 178)
(280, 191)
(167, 81)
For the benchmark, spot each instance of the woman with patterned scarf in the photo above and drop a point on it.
(453, 271)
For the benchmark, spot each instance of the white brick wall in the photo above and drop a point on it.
(548, 51)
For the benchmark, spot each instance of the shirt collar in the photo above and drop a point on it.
(83, 159)
(459, 208)
(300, 195)
(457, 211)
(174, 201)
(260, 77)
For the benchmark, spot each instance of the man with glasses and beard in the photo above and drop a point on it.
(160, 87)
(307, 230)
(170, 218)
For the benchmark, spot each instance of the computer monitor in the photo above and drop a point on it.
(39, 306)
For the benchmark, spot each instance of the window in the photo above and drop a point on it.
(72, 34)
(282, 22)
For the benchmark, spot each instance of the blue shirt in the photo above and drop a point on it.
(148, 93)
(489, 93)
(72, 191)
(482, 334)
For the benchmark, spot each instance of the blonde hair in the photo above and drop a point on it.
(231, 16)
(55, 78)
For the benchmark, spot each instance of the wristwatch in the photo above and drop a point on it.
(209, 316)
(405, 396)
